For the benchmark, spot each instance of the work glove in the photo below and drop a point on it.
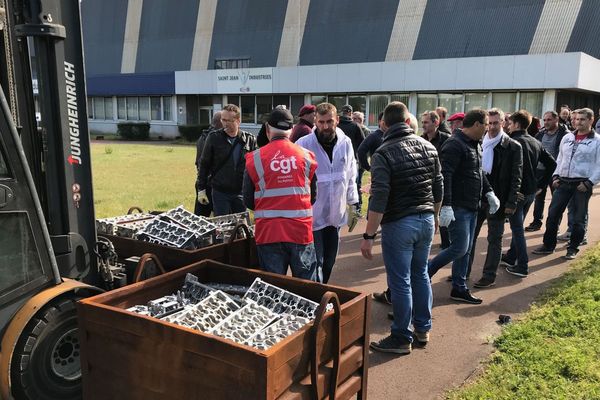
(446, 215)
(493, 202)
(352, 217)
(202, 197)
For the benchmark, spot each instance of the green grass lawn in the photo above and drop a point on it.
(150, 176)
(554, 351)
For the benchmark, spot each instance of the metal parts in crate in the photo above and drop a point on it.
(207, 314)
(124, 225)
(246, 323)
(227, 223)
(275, 333)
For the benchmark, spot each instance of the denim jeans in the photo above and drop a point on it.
(327, 242)
(517, 254)
(276, 257)
(540, 203)
(565, 193)
(226, 203)
(461, 231)
(406, 243)
(359, 177)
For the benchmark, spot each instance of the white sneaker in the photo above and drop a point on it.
(565, 237)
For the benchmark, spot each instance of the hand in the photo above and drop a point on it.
(509, 211)
(555, 183)
(520, 197)
(366, 247)
(446, 215)
(202, 197)
(352, 217)
(582, 187)
(493, 201)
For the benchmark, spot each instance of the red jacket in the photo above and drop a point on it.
(281, 173)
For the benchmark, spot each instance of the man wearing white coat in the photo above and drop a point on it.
(336, 185)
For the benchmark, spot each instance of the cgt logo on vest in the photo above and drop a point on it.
(283, 164)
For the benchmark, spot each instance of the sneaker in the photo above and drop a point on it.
(391, 344)
(571, 254)
(517, 271)
(565, 237)
(543, 250)
(484, 283)
(584, 241)
(383, 297)
(422, 337)
(464, 296)
(534, 226)
(504, 261)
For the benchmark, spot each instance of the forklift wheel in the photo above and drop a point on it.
(48, 363)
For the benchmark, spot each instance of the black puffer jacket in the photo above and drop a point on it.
(352, 130)
(507, 169)
(216, 163)
(464, 180)
(405, 175)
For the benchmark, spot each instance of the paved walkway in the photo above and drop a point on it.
(462, 334)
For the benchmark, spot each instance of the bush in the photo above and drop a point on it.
(191, 133)
(134, 130)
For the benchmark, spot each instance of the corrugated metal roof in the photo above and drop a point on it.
(586, 33)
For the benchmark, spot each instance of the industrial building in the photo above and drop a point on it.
(175, 63)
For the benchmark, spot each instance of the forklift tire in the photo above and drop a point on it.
(47, 357)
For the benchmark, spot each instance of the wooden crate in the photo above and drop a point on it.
(130, 356)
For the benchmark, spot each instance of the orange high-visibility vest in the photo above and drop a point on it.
(281, 172)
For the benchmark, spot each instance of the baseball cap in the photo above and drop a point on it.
(281, 119)
(347, 108)
(307, 109)
(456, 116)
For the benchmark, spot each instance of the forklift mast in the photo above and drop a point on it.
(45, 44)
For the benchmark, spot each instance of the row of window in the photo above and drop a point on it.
(130, 108)
(232, 63)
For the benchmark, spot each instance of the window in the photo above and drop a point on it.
(232, 63)
(132, 108)
(338, 101)
(18, 253)
(247, 109)
(108, 108)
(280, 100)
(358, 102)
(167, 106)
(532, 102)
(452, 102)
(377, 103)
(425, 102)
(235, 99)
(99, 108)
(317, 99)
(297, 101)
(476, 100)
(264, 106)
(402, 97)
(155, 113)
(144, 103)
(504, 101)
(90, 107)
(121, 108)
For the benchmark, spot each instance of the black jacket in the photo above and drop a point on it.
(405, 175)
(444, 127)
(352, 130)
(533, 152)
(562, 131)
(367, 148)
(217, 164)
(464, 180)
(507, 170)
(200, 144)
(438, 140)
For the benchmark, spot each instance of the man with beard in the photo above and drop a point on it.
(336, 185)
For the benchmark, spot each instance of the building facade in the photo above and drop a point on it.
(176, 63)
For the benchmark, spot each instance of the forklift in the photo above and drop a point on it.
(49, 251)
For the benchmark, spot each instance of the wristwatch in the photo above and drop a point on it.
(366, 236)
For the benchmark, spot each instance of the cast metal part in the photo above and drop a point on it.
(124, 225)
(169, 233)
(245, 323)
(200, 225)
(207, 314)
(275, 333)
(194, 291)
(226, 224)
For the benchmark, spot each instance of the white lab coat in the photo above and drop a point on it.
(336, 181)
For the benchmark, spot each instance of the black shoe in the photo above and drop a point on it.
(543, 250)
(517, 271)
(391, 315)
(464, 296)
(571, 254)
(484, 283)
(506, 262)
(534, 226)
(392, 344)
(383, 297)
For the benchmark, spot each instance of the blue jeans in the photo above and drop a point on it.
(226, 203)
(517, 254)
(566, 194)
(327, 242)
(276, 257)
(406, 244)
(461, 231)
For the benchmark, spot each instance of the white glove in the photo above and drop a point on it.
(446, 215)
(493, 201)
(202, 197)
(352, 217)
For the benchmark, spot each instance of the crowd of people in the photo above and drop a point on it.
(303, 182)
